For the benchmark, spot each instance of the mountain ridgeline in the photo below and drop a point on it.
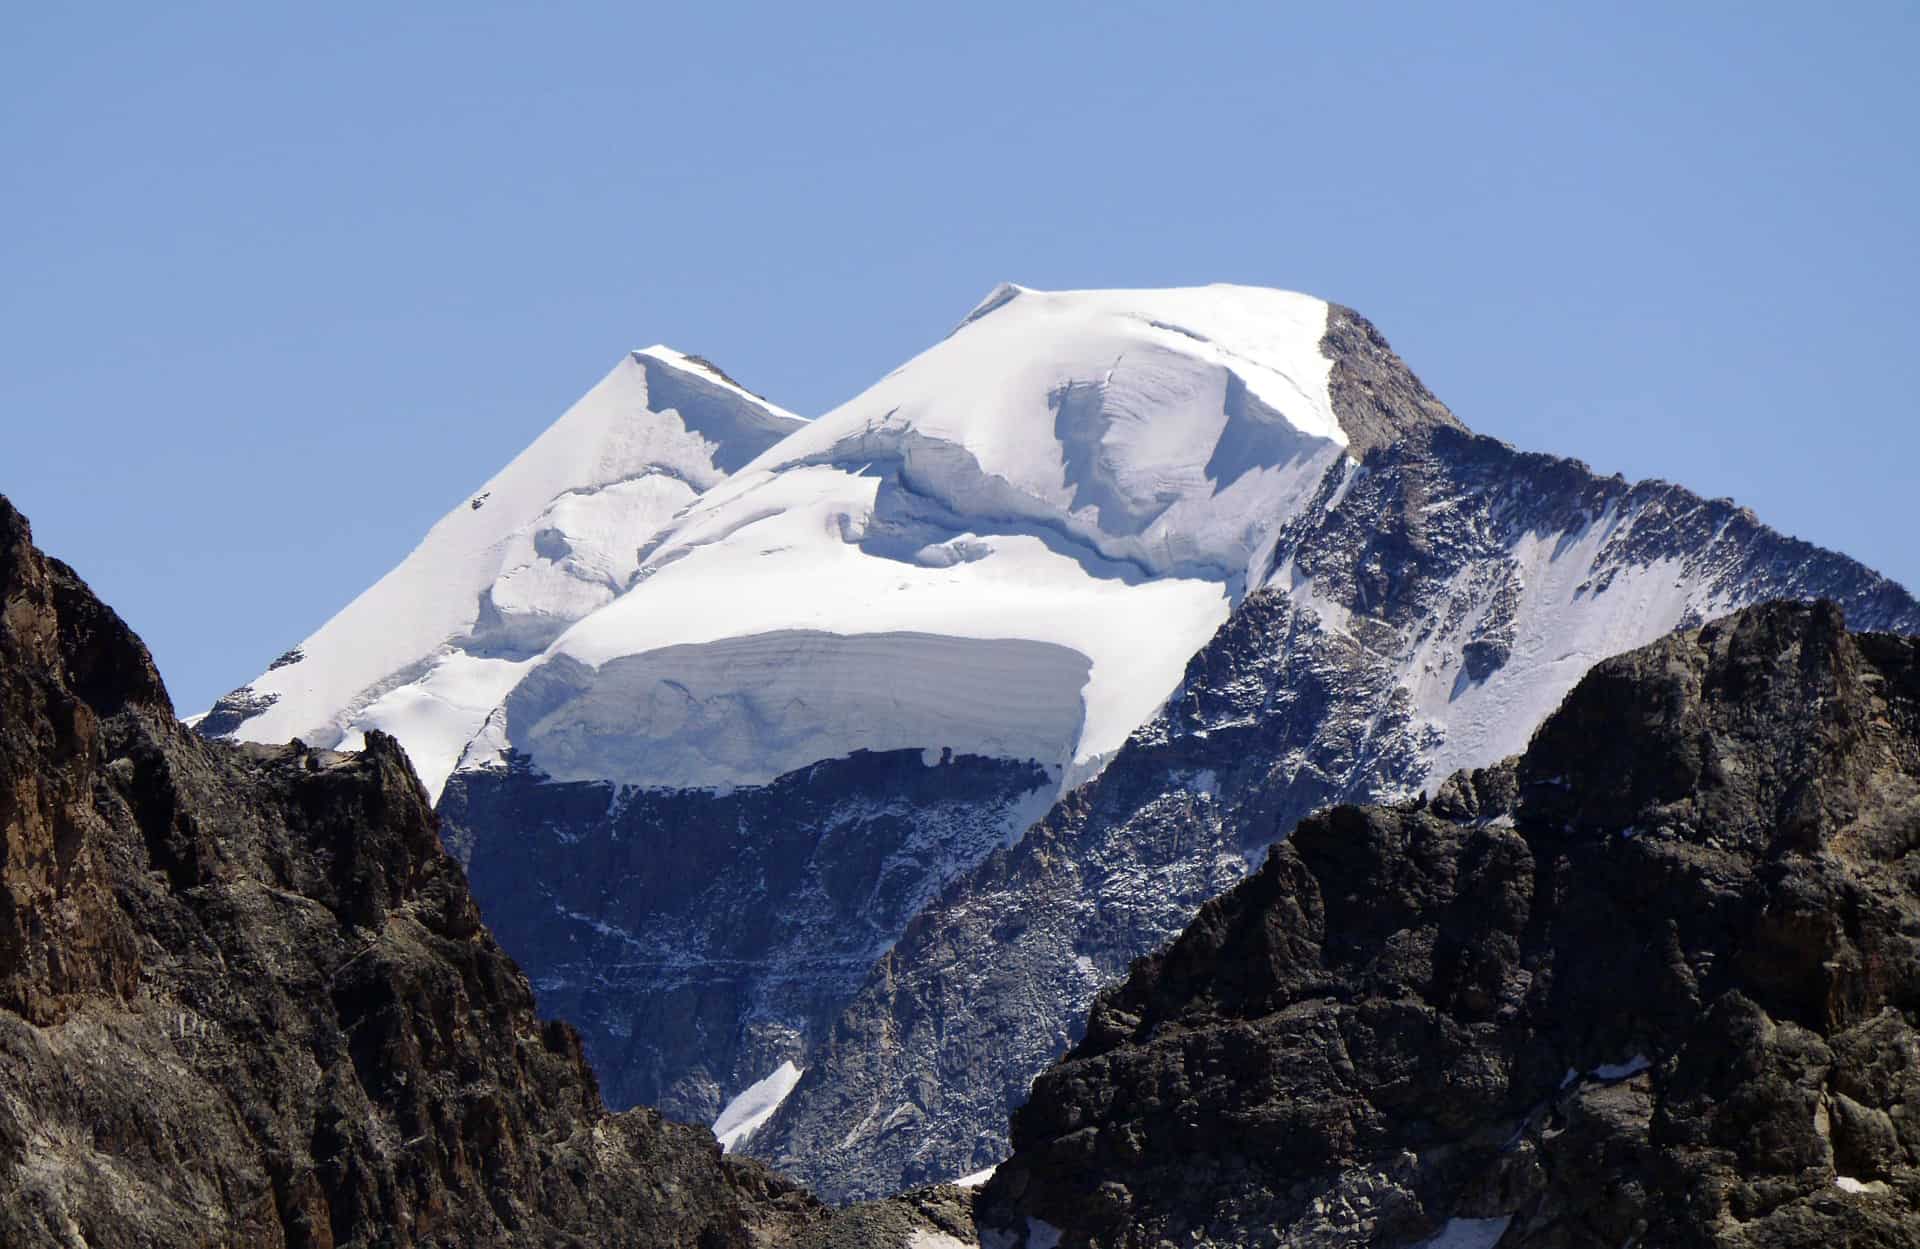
(874, 745)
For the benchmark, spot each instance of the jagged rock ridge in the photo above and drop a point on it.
(1656, 981)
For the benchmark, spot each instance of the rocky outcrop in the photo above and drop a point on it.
(1380, 401)
(246, 998)
(1656, 981)
(1425, 612)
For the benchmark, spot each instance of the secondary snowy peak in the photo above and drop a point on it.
(432, 646)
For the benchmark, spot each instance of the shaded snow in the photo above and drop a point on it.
(1042, 1234)
(738, 711)
(1467, 1234)
(754, 1105)
(1620, 1071)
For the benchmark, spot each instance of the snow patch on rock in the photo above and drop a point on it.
(921, 1238)
(1467, 1234)
(754, 1105)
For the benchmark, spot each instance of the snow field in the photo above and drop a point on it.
(1008, 546)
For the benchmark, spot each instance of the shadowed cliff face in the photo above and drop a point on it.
(1655, 982)
(65, 660)
(245, 998)
(684, 913)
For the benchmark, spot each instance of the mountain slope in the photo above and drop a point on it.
(702, 939)
(1656, 981)
(1424, 611)
(1003, 552)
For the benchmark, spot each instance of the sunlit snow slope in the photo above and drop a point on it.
(434, 645)
(1009, 547)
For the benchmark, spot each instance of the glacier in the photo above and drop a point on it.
(1081, 480)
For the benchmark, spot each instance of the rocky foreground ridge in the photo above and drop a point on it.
(1653, 983)
(246, 999)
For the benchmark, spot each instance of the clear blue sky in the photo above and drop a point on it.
(281, 284)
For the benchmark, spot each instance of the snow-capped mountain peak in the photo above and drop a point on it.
(1008, 546)
(1053, 506)
(432, 646)
(722, 699)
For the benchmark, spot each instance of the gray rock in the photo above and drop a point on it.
(1653, 982)
(699, 940)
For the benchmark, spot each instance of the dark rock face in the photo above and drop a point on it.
(233, 709)
(1425, 565)
(1655, 982)
(245, 997)
(1378, 398)
(699, 940)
